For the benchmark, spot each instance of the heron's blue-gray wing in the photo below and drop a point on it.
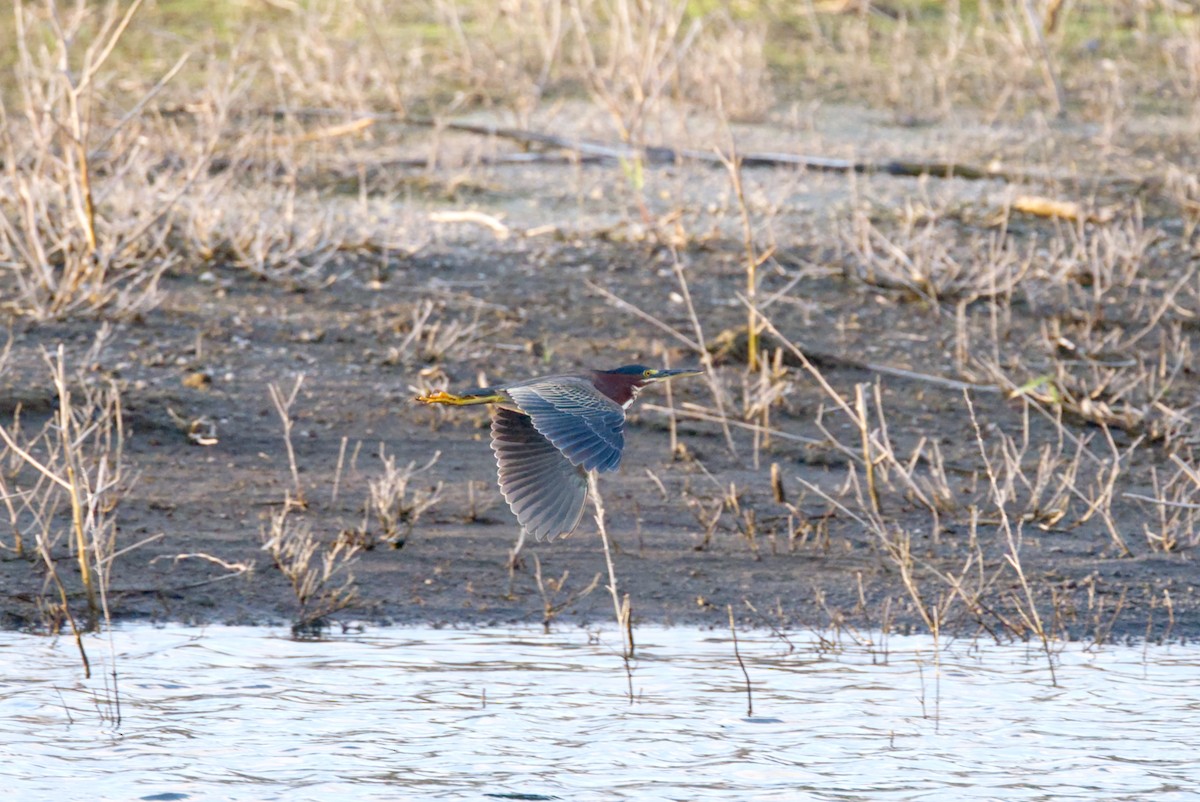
(586, 426)
(543, 489)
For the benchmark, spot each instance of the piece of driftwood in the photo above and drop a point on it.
(498, 229)
(651, 155)
(662, 155)
(730, 346)
(1065, 210)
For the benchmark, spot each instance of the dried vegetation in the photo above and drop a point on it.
(943, 375)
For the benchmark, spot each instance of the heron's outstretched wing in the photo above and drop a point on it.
(586, 426)
(543, 489)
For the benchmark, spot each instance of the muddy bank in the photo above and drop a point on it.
(697, 529)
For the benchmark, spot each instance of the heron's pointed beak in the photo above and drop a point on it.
(673, 373)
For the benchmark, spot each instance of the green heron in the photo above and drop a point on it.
(548, 432)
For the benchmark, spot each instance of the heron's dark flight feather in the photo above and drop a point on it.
(542, 487)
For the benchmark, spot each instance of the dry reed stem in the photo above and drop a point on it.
(860, 407)
(710, 371)
(741, 663)
(621, 608)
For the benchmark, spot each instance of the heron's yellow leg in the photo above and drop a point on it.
(443, 397)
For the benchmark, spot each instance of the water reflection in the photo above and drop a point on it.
(238, 713)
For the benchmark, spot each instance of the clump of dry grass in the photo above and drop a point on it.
(635, 56)
(1173, 510)
(429, 337)
(319, 576)
(395, 500)
(554, 592)
(74, 235)
(920, 261)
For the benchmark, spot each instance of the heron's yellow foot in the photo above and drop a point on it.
(437, 397)
(443, 397)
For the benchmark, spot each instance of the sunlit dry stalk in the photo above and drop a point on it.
(621, 608)
(860, 407)
(337, 472)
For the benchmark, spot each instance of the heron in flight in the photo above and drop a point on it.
(548, 432)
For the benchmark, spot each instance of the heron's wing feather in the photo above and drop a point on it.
(543, 489)
(585, 425)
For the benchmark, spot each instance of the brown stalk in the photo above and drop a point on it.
(44, 551)
(737, 653)
(620, 608)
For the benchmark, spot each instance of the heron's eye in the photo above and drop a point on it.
(648, 372)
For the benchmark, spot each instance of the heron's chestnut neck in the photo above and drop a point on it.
(621, 388)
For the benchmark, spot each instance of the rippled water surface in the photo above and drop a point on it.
(233, 713)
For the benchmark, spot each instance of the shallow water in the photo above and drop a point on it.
(243, 713)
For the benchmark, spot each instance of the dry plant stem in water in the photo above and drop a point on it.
(741, 664)
(621, 605)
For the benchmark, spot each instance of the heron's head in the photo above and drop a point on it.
(622, 384)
